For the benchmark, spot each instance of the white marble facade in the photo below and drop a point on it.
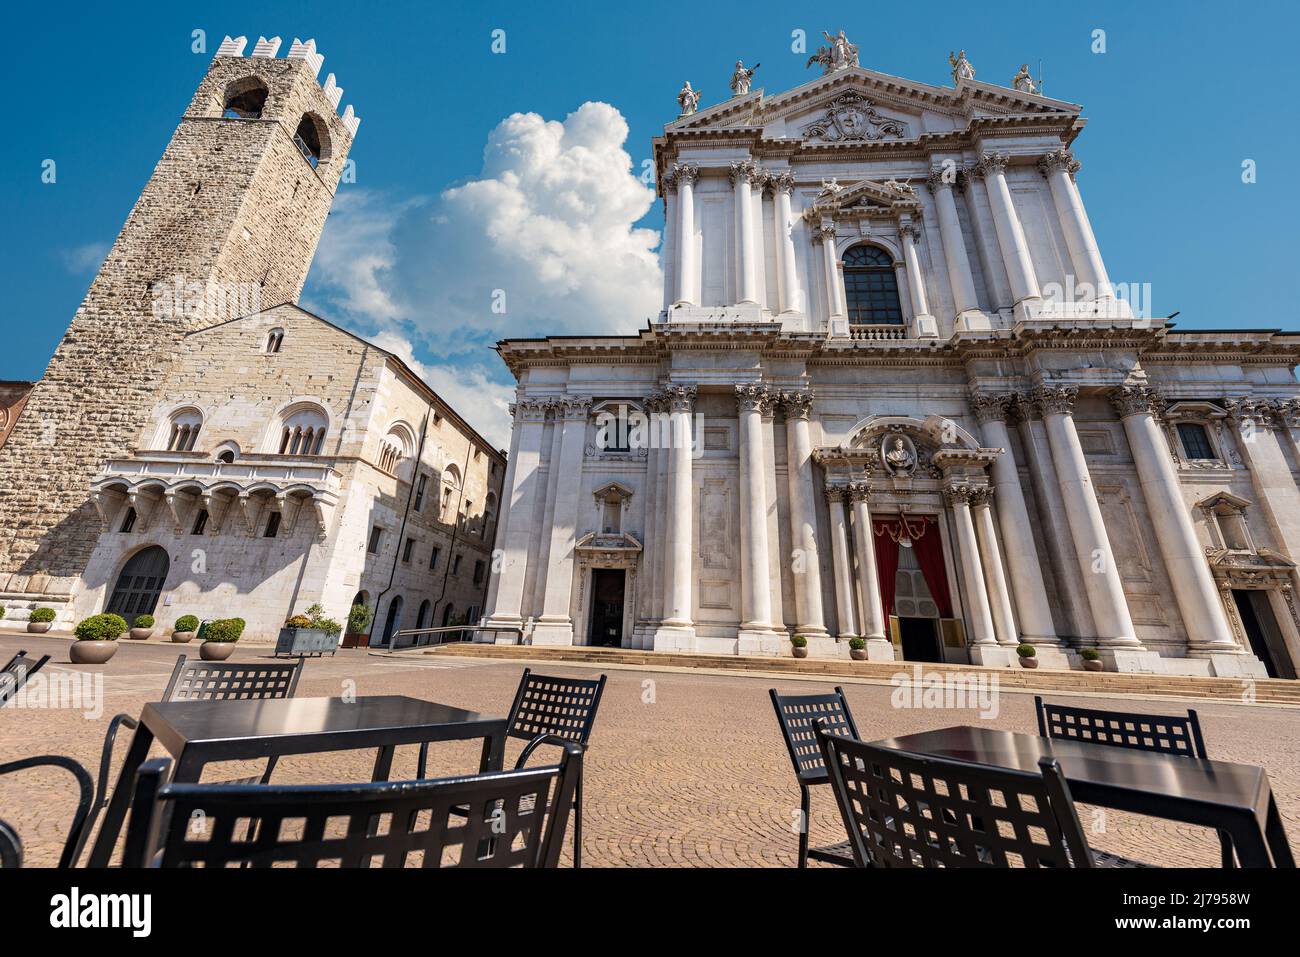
(886, 316)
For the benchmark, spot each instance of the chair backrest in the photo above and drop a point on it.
(517, 819)
(11, 848)
(563, 707)
(1167, 734)
(15, 674)
(796, 713)
(911, 810)
(222, 680)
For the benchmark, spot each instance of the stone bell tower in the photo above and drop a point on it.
(227, 225)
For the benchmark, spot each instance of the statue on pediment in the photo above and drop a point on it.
(961, 67)
(1023, 81)
(830, 188)
(742, 78)
(840, 55)
(688, 99)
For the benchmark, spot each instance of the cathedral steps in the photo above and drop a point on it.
(1234, 690)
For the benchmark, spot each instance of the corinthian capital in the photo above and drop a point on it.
(796, 404)
(573, 406)
(1134, 400)
(684, 174)
(1054, 399)
(751, 397)
(1249, 410)
(991, 408)
(1058, 159)
(958, 493)
(680, 398)
(783, 182)
(859, 492)
(837, 493)
(941, 177)
(995, 163)
(910, 230)
(744, 169)
(532, 410)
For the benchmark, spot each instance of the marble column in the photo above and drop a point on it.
(791, 297)
(555, 626)
(744, 175)
(960, 278)
(979, 615)
(836, 321)
(755, 584)
(776, 560)
(835, 497)
(684, 177)
(503, 518)
(540, 559)
(986, 241)
(650, 592)
(1032, 610)
(1011, 235)
(924, 325)
(1189, 573)
(677, 630)
(864, 541)
(669, 251)
(806, 557)
(1059, 168)
(1110, 614)
(515, 539)
(1004, 622)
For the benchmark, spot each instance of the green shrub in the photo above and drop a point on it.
(187, 623)
(224, 630)
(143, 621)
(43, 614)
(100, 628)
(799, 641)
(359, 619)
(1090, 654)
(298, 621)
(1025, 650)
(857, 644)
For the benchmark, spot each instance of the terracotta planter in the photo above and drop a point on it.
(858, 654)
(92, 652)
(800, 652)
(140, 634)
(1093, 665)
(38, 627)
(216, 650)
(1029, 662)
(181, 637)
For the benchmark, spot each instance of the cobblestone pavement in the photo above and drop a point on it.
(685, 770)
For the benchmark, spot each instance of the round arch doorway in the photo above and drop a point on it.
(139, 583)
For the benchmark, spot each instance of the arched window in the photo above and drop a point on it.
(489, 515)
(245, 99)
(398, 446)
(274, 340)
(302, 431)
(310, 138)
(450, 488)
(422, 618)
(184, 430)
(871, 287)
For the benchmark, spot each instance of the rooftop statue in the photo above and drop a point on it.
(741, 79)
(961, 67)
(688, 99)
(840, 55)
(1022, 81)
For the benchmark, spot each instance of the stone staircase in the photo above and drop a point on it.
(1274, 691)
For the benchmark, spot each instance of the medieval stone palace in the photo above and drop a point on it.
(201, 445)
(894, 394)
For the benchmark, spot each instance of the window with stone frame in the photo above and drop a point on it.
(274, 340)
(1226, 514)
(302, 431)
(1195, 439)
(871, 287)
(183, 430)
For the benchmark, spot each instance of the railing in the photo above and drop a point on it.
(877, 332)
(444, 633)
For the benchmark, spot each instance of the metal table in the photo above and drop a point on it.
(196, 733)
(1234, 798)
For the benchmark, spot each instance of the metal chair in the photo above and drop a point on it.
(518, 820)
(15, 674)
(550, 710)
(11, 848)
(1164, 734)
(795, 715)
(204, 681)
(913, 810)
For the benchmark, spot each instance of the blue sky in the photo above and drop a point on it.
(1183, 94)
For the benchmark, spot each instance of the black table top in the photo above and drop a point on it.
(1096, 770)
(285, 724)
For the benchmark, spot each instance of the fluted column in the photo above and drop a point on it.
(791, 296)
(1011, 235)
(1032, 610)
(684, 177)
(755, 586)
(515, 540)
(744, 175)
(864, 540)
(979, 614)
(1059, 168)
(835, 496)
(954, 249)
(555, 626)
(1110, 614)
(924, 325)
(803, 513)
(677, 630)
(1004, 622)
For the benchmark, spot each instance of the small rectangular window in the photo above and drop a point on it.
(128, 523)
(272, 525)
(407, 549)
(376, 533)
(419, 491)
(1196, 441)
(200, 522)
(455, 565)
(479, 568)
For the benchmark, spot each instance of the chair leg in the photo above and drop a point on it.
(423, 762)
(803, 828)
(1225, 850)
(577, 825)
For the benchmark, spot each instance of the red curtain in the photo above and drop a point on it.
(886, 567)
(929, 555)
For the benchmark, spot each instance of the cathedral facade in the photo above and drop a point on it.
(894, 395)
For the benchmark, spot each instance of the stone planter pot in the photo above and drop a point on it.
(216, 650)
(1029, 662)
(181, 637)
(38, 627)
(800, 652)
(92, 652)
(140, 634)
(858, 654)
(1093, 665)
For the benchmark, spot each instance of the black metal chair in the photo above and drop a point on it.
(15, 674)
(518, 820)
(1161, 733)
(795, 715)
(204, 681)
(11, 848)
(913, 810)
(550, 710)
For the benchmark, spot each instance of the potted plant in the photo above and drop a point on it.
(309, 634)
(359, 619)
(1091, 659)
(858, 649)
(40, 621)
(219, 638)
(96, 639)
(1027, 654)
(142, 627)
(183, 630)
(799, 646)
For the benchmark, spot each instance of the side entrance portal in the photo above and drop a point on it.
(607, 591)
